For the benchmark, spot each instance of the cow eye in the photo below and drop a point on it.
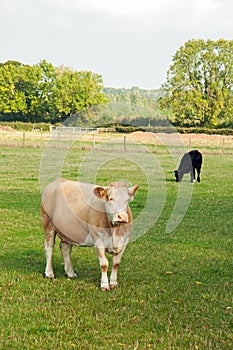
(111, 199)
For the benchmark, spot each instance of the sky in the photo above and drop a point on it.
(128, 42)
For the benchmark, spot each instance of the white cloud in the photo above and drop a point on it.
(155, 15)
(146, 7)
(113, 7)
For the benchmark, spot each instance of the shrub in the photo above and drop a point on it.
(22, 126)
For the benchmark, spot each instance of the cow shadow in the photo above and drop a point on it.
(22, 261)
(32, 261)
(170, 180)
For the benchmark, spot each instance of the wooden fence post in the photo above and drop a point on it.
(24, 137)
(58, 140)
(125, 143)
(190, 143)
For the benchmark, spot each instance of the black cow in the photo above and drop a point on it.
(190, 161)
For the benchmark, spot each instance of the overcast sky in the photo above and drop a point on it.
(129, 42)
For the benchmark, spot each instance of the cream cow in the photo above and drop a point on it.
(87, 215)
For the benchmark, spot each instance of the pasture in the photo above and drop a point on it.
(175, 289)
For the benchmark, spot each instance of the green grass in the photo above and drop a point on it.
(175, 290)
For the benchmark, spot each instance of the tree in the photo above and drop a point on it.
(12, 100)
(46, 93)
(77, 91)
(27, 85)
(199, 85)
(46, 86)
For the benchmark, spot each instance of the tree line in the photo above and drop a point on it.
(135, 106)
(44, 93)
(198, 92)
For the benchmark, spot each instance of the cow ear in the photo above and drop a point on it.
(100, 192)
(132, 191)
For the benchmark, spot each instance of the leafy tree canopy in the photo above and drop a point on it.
(199, 85)
(43, 92)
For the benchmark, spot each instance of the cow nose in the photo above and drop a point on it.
(122, 217)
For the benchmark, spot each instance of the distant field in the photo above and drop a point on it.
(175, 290)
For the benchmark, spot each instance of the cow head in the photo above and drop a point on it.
(178, 175)
(116, 196)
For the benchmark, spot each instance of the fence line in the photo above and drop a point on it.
(85, 141)
(79, 130)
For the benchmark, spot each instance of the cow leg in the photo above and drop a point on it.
(116, 260)
(104, 284)
(198, 174)
(66, 249)
(192, 174)
(50, 235)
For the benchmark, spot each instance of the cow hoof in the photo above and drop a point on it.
(49, 275)
(113, 285)
(73, 275)
(105, 287)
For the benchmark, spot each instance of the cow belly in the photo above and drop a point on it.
(74, 239)
(71, 229)
(88, 242)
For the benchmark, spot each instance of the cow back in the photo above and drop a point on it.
(72, 207)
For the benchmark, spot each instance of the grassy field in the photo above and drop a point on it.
(175, 290)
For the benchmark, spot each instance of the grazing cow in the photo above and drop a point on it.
(86, 215)
(190, 161)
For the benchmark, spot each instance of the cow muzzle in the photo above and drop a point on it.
(120, 218)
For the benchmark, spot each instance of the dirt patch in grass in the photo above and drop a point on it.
(204, 142)
(149, 136)
(6, 128)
